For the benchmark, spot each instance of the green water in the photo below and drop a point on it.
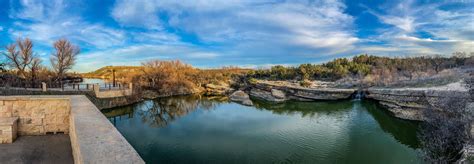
(190, 129)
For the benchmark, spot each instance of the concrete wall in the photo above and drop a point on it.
(37, 116)
(112, 93)
(106, 103)
(93, 138)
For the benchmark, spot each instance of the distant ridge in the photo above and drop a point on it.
(106, 72)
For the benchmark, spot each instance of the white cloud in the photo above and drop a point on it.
(447, 30)
(136, 13)
(318, 25)
(203, 55)
(49, 21)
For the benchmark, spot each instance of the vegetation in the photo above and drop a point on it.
(445, 130)
(22, 67)
(64, 58)
(176, 77)
(374, 70)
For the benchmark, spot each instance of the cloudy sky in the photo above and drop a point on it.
(248, 33)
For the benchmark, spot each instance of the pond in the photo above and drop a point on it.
(194, 129)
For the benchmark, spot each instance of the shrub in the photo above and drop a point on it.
(445, 130)
(305, 83)
(252, 81)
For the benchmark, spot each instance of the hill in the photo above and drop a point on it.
(107, 72)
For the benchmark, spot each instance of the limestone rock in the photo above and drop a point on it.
(278, 94)
(239, 96)
(247, 102)
(266, 95)
(242, 97)
(217, 89)
(409, 103)
(281, 92)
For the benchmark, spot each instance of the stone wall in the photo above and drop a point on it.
(8, 129)
(112, 93)
(22, 91)
(37, 115)
(93, 138)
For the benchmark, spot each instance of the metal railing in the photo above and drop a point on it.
(63, 86)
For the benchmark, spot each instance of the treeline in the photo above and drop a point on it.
(175, 77)
(21, 66)
(366, 65)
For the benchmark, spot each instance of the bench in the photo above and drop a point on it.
(8, 129)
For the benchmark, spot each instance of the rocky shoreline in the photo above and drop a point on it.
(410, 103)
(404, 103)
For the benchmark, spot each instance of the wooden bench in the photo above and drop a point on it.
(8, 129)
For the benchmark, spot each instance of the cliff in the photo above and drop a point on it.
(278, 93)
(409, 103)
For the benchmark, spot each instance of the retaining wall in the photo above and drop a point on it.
(37, 116)
(93, 138)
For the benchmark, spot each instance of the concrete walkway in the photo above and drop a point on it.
(38, 149)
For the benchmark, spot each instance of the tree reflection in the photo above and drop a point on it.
(161, 112)
(306, 109)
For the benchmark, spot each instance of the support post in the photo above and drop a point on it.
(113, 77)
(96, 88)
(43, 86)
(130, 87)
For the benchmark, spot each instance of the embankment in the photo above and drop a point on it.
(279, 93)
(405, 103)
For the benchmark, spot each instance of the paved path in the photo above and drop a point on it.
(55, 149)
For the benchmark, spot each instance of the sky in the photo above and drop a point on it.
(245, 33)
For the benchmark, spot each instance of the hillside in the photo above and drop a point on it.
(106, 72)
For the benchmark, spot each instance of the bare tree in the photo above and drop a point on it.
(34, 68)
(437, 62)
(21, 58)
(64, 57)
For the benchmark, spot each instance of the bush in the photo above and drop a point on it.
(305, 83)
(445, 130)
(252, 81)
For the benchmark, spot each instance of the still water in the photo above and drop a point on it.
(193, 129)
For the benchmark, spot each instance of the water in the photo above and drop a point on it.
(191, 129)
(92, 81)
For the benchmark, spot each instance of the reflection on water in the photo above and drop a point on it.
(194, 129)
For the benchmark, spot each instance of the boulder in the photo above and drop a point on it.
(278, 94)
(247, 102)
(242, 97)
(220, 89)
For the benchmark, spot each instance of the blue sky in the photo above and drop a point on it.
(247, 33)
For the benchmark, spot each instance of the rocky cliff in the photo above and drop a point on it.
(405, 103)
(279, 93)
(409, 103)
